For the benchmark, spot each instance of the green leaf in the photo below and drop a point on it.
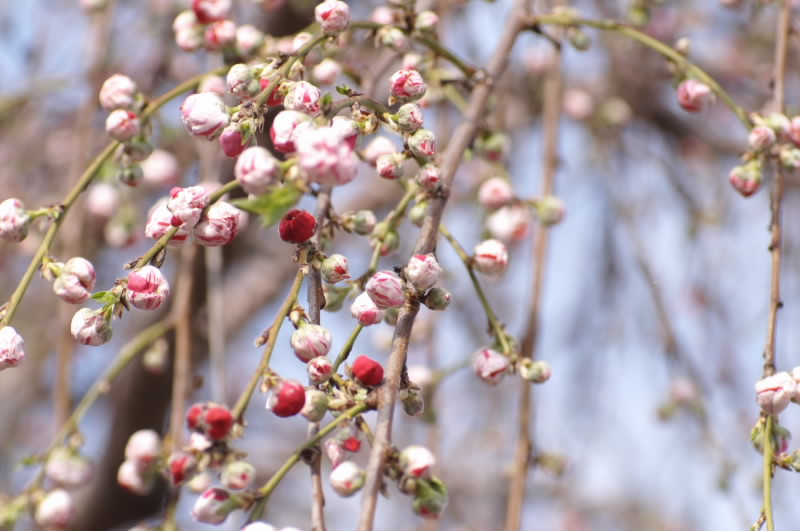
(104, 297)
(273, 205)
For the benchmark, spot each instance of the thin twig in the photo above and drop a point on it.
(182, 368)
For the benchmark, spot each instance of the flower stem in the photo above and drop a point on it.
(769, 453)
(348, 346)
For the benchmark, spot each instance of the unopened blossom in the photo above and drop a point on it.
(287, 399)
(549, 210)
(367, 371)
(159, 222)
(423, 271)
(56, 510)
(200, 482)
(214, 84)
(412, 61)
(76, 281)
(133, 479)
(578, 104)
(412, 401)
(122, 125)
(761, 138)
(327, 71)
(187, 204)
(219, 225)
(310, 341)
(535, 371)
(260, 526)
(366, 311)
(323, 158)
(256, 170)
(430, 500)
(437, 299)
(190, 39)
(12, 348)
(426, 21)
(406, 85)
(161, 169)
(249, 40)
(297, 226)
(495, 193)
(212, 506)
(384, 15)
(89, 327)
(334, 452)
(319, 370)
(204, 114)
(102, 200)
(210, 420)
(14, 220)
(509, 223)
(304, 97)
(287, 127)
(67, 469)
(347, 479)
(335, 269)
(208, 11)
(490, 257)
(181, 466)
(390, 165)
(143, 448)
(333, 16)
(393, 38)
(238, 475)
(147, 288)
(747, 178)
(694, 96)
(241, 82)
(493, 147)
(409, 118)
(774, 393)
(385, 288)
(789, 156)
(378, 146)
(316, 405)
(130, 175)
(490, 365)
(422, 143)
(429, 178)
(118, 92)
(361, 222)
(417, 461)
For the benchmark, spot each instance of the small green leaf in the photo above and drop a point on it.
(273, 205)
(104, 297)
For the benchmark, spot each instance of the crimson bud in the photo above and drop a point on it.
(367, 371)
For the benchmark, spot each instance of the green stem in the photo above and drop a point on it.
(348, 346)
(283, 71)
(499, 333)
(769, 453)
(391, 221)
(276, 478)
(272, 336)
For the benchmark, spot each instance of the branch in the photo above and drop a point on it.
(181, 376)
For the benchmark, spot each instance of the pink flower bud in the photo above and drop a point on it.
(187, 204)
(14, 220)
(297, 226)
(348, 130)
(212, 506)
(348, 436)
(534, 371)
(12, 348)
(380, 145)
(208, 11)
(161, 169)
(55, 510)
(490, 257)
(694, 96)
(761, 138)
(327, 71)
(181, 467)
(347, 479)
(122, 125)
(578, 104)
(191, 39)
(204, 114)
(490, 366)
(219, 225)
(324, 158)
(102, 200)
(366, 311)
(147, 288)
(286, 129)
(384, 15)
(242, 83)
(316, 405)
(509, 223)
(76, 281)
(367, 371)
(256, 170)
(390, 165)
(437, 299)
(334, 269)
(319, 370)
(429, 178)
(394, 39)
(249, 39)
(133, 479)
(794, 130)
(406, 85)
(409, 118)
(159, 222)
(422, 143)
(238, 475)
(423, 271)
(333, 16)
(385, 288)
(417, 461)
(495, 193)
(213, 84)
(549, 210)
(67, 469)
(288, 399)
(143, 448)
(304, 97)
(334, 452)
(310, 341)
(747, 178)
(232, 141)
(426, 21)
(89, 327)
(118, 92)
(774, 393)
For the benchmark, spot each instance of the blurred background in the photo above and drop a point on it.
(656, 283)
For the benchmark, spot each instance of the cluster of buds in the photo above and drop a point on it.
(207, 25)
(138, 472)
(412, 469)
(215, 504)
(212, 421)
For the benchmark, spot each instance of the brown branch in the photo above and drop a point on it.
(426, 243)
(181, 377)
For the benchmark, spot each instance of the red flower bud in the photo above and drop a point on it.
(288, 399)
(219, 422)
(297, 226)
(368, 371)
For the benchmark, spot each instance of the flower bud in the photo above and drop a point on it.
(363, 222)
(117, 92)
(761, 138)
(242, 83)
(211, 420)
(418, 212)
(422, 143)
(334, 452)
(14, 220)
(322, 157)
(76, 281)
(133, 479)
(143, 448)
(534, 371)
(181, 467)
(122, 125)
(789, 156)
(261, 526)
(249, 40)
(310, 341)
(130, 175)
(390, 166)
(55, 510)
(495, 193)
(220, 35)
(406, 85)
(159, 222)
(102, 200)
(214, 84)
(380, 145)
(437, 299)
(431, 498)
(232, 141)
(510, 223)
(394, 39)
(204, 114)
(333, 16)
(319, 370)
(89, 327)
(297, 226)
(187, 204)
(348, 130)
(549, 210)
(347, 479)
(774, 393)
(429, 178)
(366, 311)
(219, 225)
(412, 401)
(409, 118)
(304, 97)
(348, 436)
(327, 71)
(161, 169)
(334, 269)
(426, 21)
(423, 271)
(316, 405)
(493, 147)
(746, 179)
(385, 288)
(67, 469)
(256, 170)
(287, 128)
(490, 257)
(288, 399)
(490, 366)
(208, 11)
(367, 371)
(238, 475)
(147, 288)
(190, 39)
(213, 507)
(794, 130)
(694, 96)
(417, 461)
